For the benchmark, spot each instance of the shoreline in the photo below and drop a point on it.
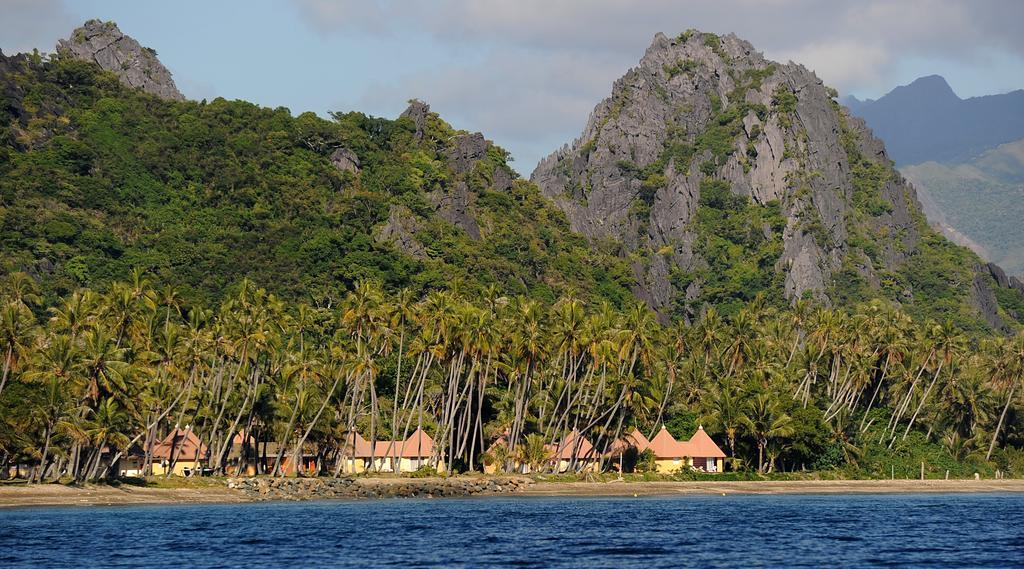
(50, 495)
(770, 487)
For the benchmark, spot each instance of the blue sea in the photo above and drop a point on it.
(976, 530)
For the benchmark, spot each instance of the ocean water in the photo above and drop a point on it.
(978, 530)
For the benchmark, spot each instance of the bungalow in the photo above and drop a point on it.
(390, 456)
(699, 453)
(623, 453)
(704, 453)
(268, 459)
(574, 452)
(181, 452)
(131, 463)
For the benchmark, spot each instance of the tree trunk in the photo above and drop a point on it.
(999, 426)
(924, 398)
(42, 461)
(7, 367)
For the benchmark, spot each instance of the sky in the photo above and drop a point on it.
(526, 73)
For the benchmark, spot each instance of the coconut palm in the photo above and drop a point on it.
(766, 421)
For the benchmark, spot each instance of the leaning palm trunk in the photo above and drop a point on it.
(46, 450)
(881, 380)
(7, 367)
(924, 399)
(316, 419)
(999, 426)
(897, 413)
(278, 471)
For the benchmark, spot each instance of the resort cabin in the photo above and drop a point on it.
(496, 454)
(181, 452)
(574, 453)
(699, 453)
(408, 455)
(705, 455)
(623, 454)
(268, 458)
(131, 463)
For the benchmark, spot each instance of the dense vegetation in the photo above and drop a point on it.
(866, 394)
(275, 307)
(978, 200)
(97, 179)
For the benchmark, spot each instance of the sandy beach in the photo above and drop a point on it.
(98, 495)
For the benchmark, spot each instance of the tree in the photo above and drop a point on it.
(766, 422)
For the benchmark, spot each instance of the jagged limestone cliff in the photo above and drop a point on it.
(722, 175)
(136, 66)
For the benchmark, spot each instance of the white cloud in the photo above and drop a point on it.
(540, 66)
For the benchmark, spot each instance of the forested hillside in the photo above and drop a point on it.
(97, 179)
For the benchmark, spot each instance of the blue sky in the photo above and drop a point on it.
(526, 73)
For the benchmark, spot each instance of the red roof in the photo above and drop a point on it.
(635, 439)
(664, 445)
(184, 444)
(701, 445)
(572, 442)
(418, 445)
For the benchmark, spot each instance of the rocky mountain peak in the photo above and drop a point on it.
(136, 66)
(721, 174)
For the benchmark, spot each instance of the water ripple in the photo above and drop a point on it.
(704, 531)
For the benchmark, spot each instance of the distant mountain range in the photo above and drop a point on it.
(926, 120)
(964, 156)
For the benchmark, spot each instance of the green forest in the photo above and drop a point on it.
(863, 394)
(97, 180)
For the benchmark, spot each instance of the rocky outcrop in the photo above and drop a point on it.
(136, 66)
(345, 160)
(400, 230)
(454, 201)
(699, 107)
(302, 489)
(417, 112)
(984, 300)
(466, 151)
(455, 205)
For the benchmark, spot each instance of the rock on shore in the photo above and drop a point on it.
(300, 489)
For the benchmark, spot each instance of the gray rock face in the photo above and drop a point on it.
(418, 112)
(466, 150)
(137, 67)
(984, 299)
(456, 207)
(400, 229)
(455, 201)
(790, 153)
(345, 160)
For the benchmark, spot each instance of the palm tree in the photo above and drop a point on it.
(766, 421)
(1008, 371)
(17, 329)
(534, 452)
(724, 412)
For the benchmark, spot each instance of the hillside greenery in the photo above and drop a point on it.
(97, 180)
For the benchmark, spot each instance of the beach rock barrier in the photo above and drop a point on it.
(301, 489)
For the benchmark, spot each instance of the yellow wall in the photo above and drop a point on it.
(179, 467)
(589, 466)
(671, 466)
